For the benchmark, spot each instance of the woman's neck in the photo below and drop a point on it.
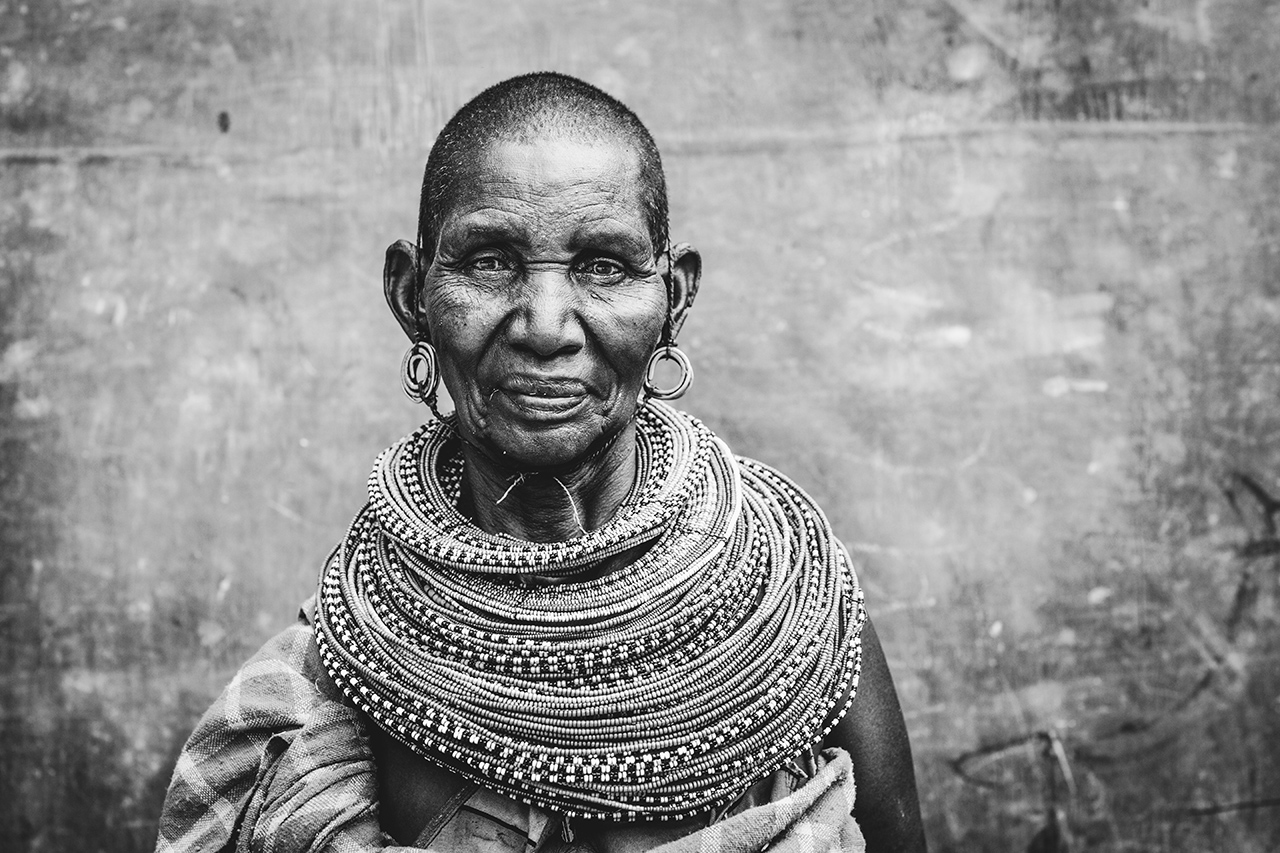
(549, 507)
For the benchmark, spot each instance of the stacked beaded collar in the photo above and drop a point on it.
(659, 691)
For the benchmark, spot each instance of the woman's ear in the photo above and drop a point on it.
(401, 283)
(685, 271)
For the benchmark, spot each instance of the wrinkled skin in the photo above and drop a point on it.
(545, 300)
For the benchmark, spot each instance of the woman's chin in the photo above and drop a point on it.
(542, 445)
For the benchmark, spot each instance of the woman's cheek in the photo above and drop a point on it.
(455, 321)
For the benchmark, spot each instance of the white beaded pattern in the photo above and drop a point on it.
(656, 692)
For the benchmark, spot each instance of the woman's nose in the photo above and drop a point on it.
(546, 319)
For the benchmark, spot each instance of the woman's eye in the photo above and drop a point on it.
(603, 268)
(489, 263)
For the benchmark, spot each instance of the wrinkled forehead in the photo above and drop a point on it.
(549, 180)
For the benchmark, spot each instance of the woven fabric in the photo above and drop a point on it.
(279, 764)
(274, 695)
(318, 790)
(813, 819)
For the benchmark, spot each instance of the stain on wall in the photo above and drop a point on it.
(995, 281)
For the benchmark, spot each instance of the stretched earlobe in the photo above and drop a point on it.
(402, 284)
(684, 274)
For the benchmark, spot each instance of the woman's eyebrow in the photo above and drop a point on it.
(478, 228)
(617, 237)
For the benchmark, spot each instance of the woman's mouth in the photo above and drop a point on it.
(539, 398)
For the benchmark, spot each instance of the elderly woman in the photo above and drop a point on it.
(568, 616)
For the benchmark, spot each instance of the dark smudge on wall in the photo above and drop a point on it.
(996, 282)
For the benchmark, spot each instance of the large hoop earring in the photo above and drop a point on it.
(420, 373)
(668, 352)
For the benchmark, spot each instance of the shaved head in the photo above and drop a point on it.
(530, 107)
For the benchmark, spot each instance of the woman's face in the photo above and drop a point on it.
(544, 299)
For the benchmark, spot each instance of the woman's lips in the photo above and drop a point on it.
(539, 398)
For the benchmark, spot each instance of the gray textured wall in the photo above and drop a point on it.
(996, 281)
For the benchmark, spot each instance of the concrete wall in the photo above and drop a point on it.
(997, 283)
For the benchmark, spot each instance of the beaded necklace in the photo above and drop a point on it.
(656, 692)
